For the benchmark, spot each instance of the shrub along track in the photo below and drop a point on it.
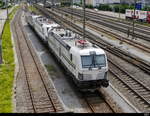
(137, 88)
(40, 94)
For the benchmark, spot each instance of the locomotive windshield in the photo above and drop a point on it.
(93, 61)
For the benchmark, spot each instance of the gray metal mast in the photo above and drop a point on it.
(72, 9)
(52, 1)
(7, 9)
(44, 2)
(133, 20)
(71, 12)
(119, 9)
(83, 19)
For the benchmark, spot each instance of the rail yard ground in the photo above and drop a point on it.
(65, 87)
(126, 67)
(41, 84)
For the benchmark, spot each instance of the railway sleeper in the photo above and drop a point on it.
(138, 88)
(147, 96)
(141, 90)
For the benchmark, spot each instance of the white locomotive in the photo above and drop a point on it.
(86, 63)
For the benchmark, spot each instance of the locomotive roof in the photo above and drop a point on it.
(84, 50)
(50, 24)
(36, 16)
(46, 22)
(69, 41)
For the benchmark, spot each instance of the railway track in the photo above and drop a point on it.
(143, 65)
(139, 33)
(97, 103)
(115, 20)
(131, 83)
(41, 95)
(138, 89)
(138, 26)
(114, 35)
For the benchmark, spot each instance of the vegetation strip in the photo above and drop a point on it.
(7, 68)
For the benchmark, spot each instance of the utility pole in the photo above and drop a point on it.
(71, 18)
(119, 9)
(72, 10)
(44, 3)
(7, 8)
(83, 3)
(52, 1)
(133, 20)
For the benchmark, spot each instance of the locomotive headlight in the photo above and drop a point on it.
(80, 76)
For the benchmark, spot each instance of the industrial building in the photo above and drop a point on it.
(97, 2)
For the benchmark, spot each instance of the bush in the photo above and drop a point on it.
(89, 6)
(1, 3)
(76, 4)
(122, 8)
(65, 3)
(146, 8)
(104, 7)
(116, 8)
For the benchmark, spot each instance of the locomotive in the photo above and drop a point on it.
(85, 62)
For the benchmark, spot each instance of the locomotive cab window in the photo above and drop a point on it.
(93, 61)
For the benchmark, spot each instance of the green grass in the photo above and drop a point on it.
(7, 68)
(50, 68)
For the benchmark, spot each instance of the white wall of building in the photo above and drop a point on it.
(76, 1)
(97, 2)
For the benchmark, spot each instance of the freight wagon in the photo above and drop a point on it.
(143, 16)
